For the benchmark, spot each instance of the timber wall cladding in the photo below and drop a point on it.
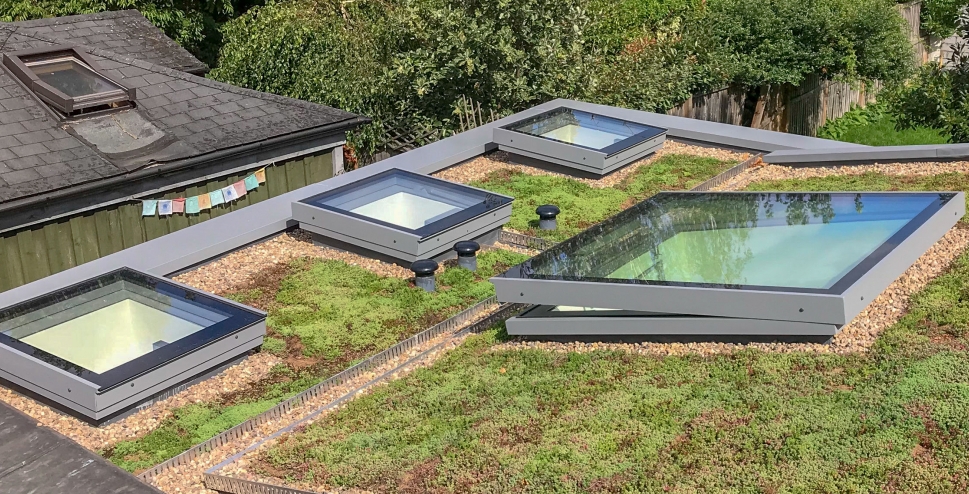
(41, 250)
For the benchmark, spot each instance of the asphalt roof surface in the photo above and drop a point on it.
(125, 32)
(35, 459)
(41, 152)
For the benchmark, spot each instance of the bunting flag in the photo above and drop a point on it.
(195, 204)
(216, 198)
(148, 208)
(240, 188)
(192, 205)
(251, 182)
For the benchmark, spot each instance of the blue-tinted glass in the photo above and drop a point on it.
(772, 240)
(409, 201)
(581, 128)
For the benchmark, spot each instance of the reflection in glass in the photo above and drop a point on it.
(111, 325)
(408, 200)
(581, 128)
(71, 77)
(772, 240)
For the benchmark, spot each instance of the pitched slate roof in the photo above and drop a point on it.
(125, 32)
(36, 459)
(40, 153)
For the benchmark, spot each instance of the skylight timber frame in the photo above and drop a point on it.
(19, 63)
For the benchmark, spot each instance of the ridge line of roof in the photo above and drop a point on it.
(66, 19)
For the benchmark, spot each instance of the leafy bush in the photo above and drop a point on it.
(938, 96)
(756, 42)
(939, 17)
(619, 23)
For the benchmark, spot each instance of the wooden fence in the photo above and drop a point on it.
(41, 250)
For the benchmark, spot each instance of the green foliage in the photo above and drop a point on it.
(938, 96)
(337, 309)
(619, 23)
(187, 427)
(939, 17)
(547, 422)
(339, 313)
(194, 24)
(583, 206)
(757, 42)
(874, 126)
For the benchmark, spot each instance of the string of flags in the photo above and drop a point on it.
(195, 204)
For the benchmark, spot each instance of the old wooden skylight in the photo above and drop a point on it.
(68, 79)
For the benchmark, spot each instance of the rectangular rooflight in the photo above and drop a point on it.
(807, 257)
(591, 143)
(82, 342)
(403, 214)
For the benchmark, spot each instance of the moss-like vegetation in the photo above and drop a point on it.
(479, 420)
(325, 316)
(583, 206)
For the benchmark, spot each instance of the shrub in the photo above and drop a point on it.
(757, 42)
(939, 17)
(938, 96)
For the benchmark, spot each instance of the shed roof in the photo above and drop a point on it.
(188, 119)
(125, 32)
(37, 459)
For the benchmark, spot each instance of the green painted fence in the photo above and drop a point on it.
(41, 250)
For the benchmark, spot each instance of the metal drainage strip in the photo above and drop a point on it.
(339, 379)
(232, 485)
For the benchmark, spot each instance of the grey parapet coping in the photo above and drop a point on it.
(852, 155)
(205, 241)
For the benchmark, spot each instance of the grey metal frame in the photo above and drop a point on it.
(628, 325)
(393, 242)
(83, 398)
(732, 303)
(568, 155)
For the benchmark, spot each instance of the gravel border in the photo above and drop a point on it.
(234, 378)
(482, 166)
(777, 172)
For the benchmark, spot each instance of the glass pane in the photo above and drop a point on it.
(771, 240)
(71, 77)
(110, 325)
(580, 128)
(407, 200)
(406, 209)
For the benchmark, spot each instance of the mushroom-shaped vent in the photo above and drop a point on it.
(466, 248)
(547, 211)
(424, 267)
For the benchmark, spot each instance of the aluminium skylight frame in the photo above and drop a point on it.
(19, 63)
(835, 305)
(349, 229)
(98, 396)
(588, 160)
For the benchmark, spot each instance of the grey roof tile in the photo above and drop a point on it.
(205, 115)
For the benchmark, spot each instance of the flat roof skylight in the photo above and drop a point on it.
(67, 78)
(702, 253)
(591, 143)
(116, 328)
(403, 214)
